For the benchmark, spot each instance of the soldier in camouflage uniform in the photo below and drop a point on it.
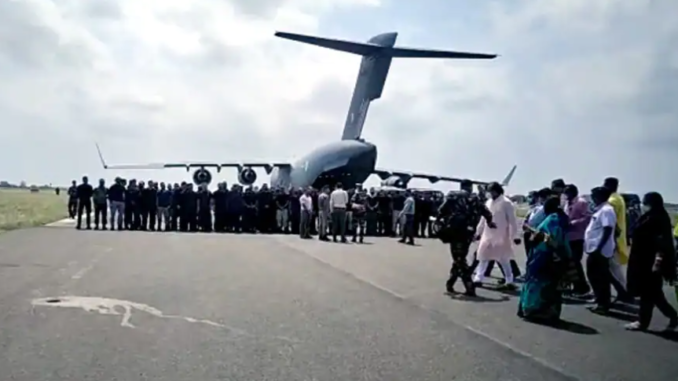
(359, 207)
(460, 214)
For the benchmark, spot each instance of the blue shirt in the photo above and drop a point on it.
(536, 216)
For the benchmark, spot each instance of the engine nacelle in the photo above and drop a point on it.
(202, 176)
(395, 181)
(247, 176)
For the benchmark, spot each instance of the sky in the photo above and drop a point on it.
(582, 90)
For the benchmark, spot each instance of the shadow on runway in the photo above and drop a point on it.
(497, 288)
(616, 314)
(669, 336)
(569, 326)
(476, 299)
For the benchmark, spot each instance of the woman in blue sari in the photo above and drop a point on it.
(541, 296)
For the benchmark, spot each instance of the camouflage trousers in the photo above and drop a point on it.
(460, 268)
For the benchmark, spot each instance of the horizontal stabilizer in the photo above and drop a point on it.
(430, 53)
(359, 48)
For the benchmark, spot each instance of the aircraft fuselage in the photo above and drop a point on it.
(350, 162)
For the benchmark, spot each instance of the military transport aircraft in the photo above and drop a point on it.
(350, 160)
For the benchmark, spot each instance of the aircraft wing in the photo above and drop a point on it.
(385, 174)
(193, 164)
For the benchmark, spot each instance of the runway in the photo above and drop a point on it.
(169, 306)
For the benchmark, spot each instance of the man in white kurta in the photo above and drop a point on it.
(497, 244)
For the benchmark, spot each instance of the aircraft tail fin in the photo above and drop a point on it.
(508, 178)
(377, 53)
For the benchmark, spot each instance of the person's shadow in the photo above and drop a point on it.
(564, 325)
(477, 298)
(670, 336)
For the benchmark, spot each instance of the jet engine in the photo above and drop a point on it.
(247, 176)
(202, 176)
(395, 181)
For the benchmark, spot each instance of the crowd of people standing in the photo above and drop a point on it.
(575, 246)
(153, 206)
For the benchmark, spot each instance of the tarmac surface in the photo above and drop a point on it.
(90, 305)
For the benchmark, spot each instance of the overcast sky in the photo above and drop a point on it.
(583, 89)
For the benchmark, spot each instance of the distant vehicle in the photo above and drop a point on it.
(350, 160)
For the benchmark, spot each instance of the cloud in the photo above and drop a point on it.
(582, 90)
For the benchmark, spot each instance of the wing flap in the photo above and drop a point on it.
(192, 164)
(385, 174)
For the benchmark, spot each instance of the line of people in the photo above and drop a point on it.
(561, 230)
(564, 229)
(156, 206)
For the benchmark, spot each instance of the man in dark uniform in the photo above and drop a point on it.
(190, 207)
(235, 209)
(84, 194)
(295, 210)
(372, 213)
(141, 211)
(164, 202)
(249, 217)
(265, 210)
(220, 197)
(175, 206)
(132, 199)
(100, 205)
(149, 206)
(116, 202)
(383, 214)
(313, 223)
(72, 199)
(204, 209)
(460, 214)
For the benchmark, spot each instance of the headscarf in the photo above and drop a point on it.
(551, 206)
(658, 221)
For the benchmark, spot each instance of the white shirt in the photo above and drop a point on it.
(306, 203)
(338, 199)
(603, 217)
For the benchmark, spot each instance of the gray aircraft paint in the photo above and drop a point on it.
(352, 155)
(350, 160)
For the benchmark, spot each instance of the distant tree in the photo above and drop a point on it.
(5, 184)
(22, 184)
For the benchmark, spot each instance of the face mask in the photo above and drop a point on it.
(646, 208)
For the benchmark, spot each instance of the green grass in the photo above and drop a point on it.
(20, 208)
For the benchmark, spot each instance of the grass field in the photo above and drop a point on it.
(19, 208)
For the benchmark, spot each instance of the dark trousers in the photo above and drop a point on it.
(338, 217)
(408, 229)
(460, 268)
(100, 215)
(600, 278)
(651, 296)
(86, 207)
(174, 218)
(359, 225)
(580, 285)
(72, 207)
